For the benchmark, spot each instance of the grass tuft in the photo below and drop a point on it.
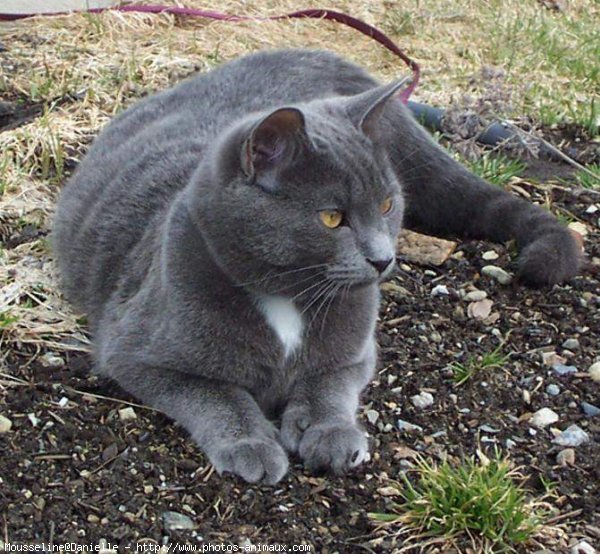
(497, 169)
(479, 502)
(589, 181)
(462, 372)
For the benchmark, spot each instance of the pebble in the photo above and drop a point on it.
(566, 457)
(49, 359)
(440, 290)
(490, 255)
(543, 417)
(407, 426)
(551, 358)
(5, 424)
(127, 414)
(571, 344)
(572, 436)
(422, 400)
(372, 416)
(475, 296)
(561, 369)
(489, 429)
(553, 390)
(583, 547)
(589, 409)
(174, 521)
(594, 371)
(497, 273)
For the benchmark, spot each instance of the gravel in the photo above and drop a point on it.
(497, 273)
(572, 436)
(422, 400)
(543, 418)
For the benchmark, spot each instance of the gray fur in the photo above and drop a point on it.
(198, 205)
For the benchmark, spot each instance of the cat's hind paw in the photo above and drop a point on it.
(333, 446)
(254, 459)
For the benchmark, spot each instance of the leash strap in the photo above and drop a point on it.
(312, 13)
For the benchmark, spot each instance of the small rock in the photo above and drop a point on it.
(566, 457)
(5, 424)
(553, 390)
(63, 402)
(497, 273)
(422, 400)
(552, 358)
(579, 227)
(33, 419)
(372, 416)
(440, 290)
(571, 344)
(594, 371)
(389, 491)
(50, 359)
(435, 337)
(127, 414)
(543, 417)
(480, 309)
(489, 429)
(490, 255)
(583, 547)
(561, 369)
(174, 521)
(589, 409)
(475, 296)
(408, 427)
(572, 436)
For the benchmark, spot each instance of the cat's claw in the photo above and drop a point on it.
(335, 447)
(253, 459)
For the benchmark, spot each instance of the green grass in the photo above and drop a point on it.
(462, 372)
(497, 169)
(478, 502)
(589, 181)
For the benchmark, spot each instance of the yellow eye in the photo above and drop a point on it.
(386, 206)
(331, 218)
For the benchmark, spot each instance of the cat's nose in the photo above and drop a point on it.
(381, 265)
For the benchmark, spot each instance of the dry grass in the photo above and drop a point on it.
(84, 68)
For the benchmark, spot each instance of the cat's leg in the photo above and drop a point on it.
(445, 199)
(223, 419)
(319, 421)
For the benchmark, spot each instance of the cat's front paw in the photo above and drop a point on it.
(333, 446)
(255, 459)
(553, 258)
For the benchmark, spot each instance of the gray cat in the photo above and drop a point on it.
(227, 236)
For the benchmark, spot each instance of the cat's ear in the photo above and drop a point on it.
(274, 141)
(367, 108)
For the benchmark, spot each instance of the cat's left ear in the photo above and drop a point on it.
(274, 141)
(367, 108)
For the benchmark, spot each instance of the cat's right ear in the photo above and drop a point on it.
(274, 141)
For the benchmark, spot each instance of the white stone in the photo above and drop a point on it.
(5, 424)
(422, 400)
(490, 255)
(566, 457)
(594, 372)
(127, 414)
(543, 417)
(372, 416)
(475, 296)
(285, 319)
(572, 436)
(440, 290)
(583, 547)
(497, 273)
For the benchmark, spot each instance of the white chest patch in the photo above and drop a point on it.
(285, 319)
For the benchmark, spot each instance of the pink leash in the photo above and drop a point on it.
(316, 13)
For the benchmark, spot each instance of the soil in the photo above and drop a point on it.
(72, 471)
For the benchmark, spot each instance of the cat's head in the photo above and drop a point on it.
(304, 195)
